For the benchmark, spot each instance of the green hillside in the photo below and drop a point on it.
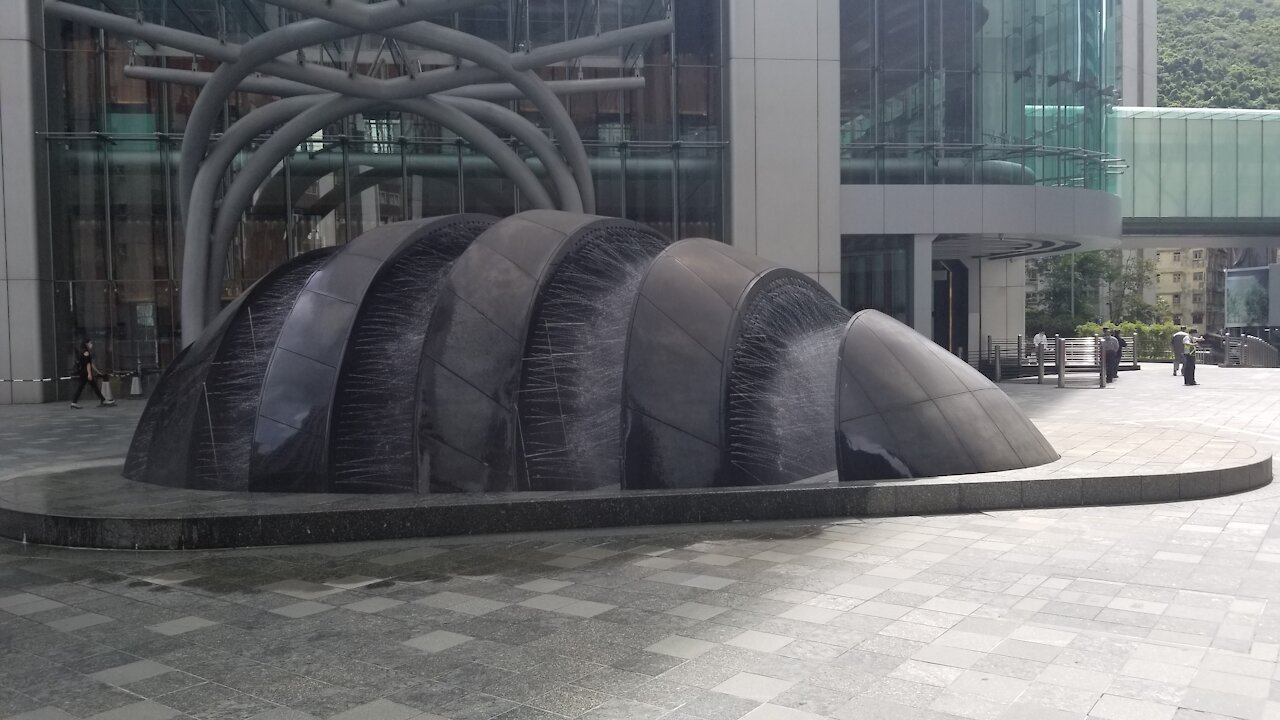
(1219, 53)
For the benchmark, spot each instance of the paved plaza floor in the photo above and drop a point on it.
(1119, 613)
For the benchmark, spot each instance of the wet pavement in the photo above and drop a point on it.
(1143, 611)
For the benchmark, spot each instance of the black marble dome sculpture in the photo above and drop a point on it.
(558, 351)
(907, 408)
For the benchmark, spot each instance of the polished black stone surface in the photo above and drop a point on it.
(477, 346)
(251, 404)
(908, 409)
(184, 425)
(680, 362)
(292, 437)
(557, 351)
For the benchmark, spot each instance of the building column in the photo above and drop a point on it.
(784, 125)
(922, 285)
(26, 293)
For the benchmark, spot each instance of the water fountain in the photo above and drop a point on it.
(553, 350)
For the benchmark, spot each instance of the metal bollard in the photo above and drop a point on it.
(1060, 350)
(1039, 364)
(995, 358)
(1102, 363)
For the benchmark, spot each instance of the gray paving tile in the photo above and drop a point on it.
(78, 622)
(148, 710)
(760, 688)
(45, 713)
(437, 641)
(381, 709)
(131, 673)
(302, 609)
(1164, 610)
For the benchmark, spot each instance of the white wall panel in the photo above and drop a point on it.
(862, 209)
(742, 28)
(958, 208)
(787, 177)
(742, 132)
(828, 149)
(786, 29)
(908, 209)
(1008, 209)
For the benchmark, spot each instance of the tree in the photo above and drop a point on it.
(1219, 54)
(1125, 279)
(1068, 294)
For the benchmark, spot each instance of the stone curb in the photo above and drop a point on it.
(492, 514)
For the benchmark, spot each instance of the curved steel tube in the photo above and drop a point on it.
(484, 54)
(493, 92)
(280, 144)
(529, 134)
(204, 189)
(336, 19)
(264, 49)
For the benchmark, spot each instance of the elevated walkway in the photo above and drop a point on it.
(1198, 172)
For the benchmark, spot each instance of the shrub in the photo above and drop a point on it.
(1153, 340)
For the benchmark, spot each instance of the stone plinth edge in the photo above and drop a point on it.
(27, 514)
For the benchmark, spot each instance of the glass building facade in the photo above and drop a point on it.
(1005, 92)
(1200, 164)
(113, 145)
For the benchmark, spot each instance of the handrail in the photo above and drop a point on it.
(1080, 353)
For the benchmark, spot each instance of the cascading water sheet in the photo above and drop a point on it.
(782, 385)
(571, 391)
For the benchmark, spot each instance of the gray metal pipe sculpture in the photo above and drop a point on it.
(493, 92)
(198, 220)
(238, 196)
(486, 55)
(282, 41)
(394, 18)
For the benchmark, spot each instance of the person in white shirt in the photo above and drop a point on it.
(1177, 344)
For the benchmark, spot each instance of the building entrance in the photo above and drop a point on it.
(951, 306)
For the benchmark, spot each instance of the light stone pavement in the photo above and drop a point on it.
(1126, 613)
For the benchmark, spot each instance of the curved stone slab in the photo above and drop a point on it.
(291, 438)
(165, 450)
(906, 408)
(687, 322)
(475, 348)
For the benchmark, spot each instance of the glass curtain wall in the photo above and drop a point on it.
(875, 274)
(113, 144)
(977, 91)
(1200, 163)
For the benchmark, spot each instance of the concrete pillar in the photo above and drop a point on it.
(922, 285)
(26, 293)
(784, 126)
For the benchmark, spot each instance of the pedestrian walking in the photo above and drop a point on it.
(1176, 345)
(1189, 359)
(1111, 351)
(88, 373)
(1121, 344)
